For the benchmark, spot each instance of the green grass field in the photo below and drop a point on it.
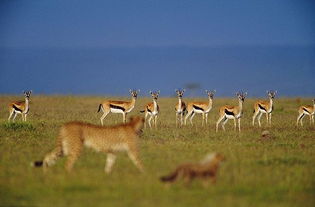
(276, 172)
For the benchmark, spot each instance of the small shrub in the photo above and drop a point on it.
(282, 161)
(18, 126)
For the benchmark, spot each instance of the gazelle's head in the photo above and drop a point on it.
(271, 94)
(155, 94)
(134, 93)
(210, 93)
(241, 95)
(27, 94)
(180, 92)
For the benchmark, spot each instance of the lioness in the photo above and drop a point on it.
(108, 139)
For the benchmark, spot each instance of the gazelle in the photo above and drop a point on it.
(180, 107)
(264, 107)
(152, 109)
(306, 110)
(122, 107)
(232, 112)
(20, 107)
(200, 108)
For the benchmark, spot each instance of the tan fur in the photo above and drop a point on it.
(205, 169)
(152, 110)
(306, 110)
(263, 106)
(232, 112)
(20, 107)
(112, 139)
(205, 106)
(114, 106)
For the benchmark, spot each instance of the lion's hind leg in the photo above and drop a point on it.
(72, 149)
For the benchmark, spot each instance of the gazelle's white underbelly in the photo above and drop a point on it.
(153, 113)
(307, 113)
(116, 111)
(197, 111)
(237, 116)
(229, 117)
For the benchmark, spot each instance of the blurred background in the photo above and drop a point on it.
(106, 47)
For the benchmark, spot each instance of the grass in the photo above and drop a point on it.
(274, 172)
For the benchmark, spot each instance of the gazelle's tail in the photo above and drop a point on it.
(99, 108)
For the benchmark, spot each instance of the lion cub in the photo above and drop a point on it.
(206, 168)
(108, 139)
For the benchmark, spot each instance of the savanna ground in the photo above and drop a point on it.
(276, 172)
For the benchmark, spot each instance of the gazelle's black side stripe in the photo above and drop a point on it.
(305, 109)
(149, 110)
(198, 108)
(261, 107)
(227, 112)
(117, 107)
(16, 108)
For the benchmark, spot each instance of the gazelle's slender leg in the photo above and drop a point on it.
(14, 116)
(267, 119)
(11, 113)
(239, 124)
(191, 117)
(259, 117)
(313, 118)
(254, 117)
(188, 115)
(103, 116)
(155, 120)
(203, 119)
(149, 121)
(218, 122)
(299, 118)
(176, 119)
(206, 118)
(181, 119)
(234, 124)
(224, 122)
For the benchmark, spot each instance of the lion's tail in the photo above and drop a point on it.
(50, 158)
(170, 178)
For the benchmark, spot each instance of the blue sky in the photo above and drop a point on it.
(42, 27)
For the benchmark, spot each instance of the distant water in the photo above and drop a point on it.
(112, 71)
